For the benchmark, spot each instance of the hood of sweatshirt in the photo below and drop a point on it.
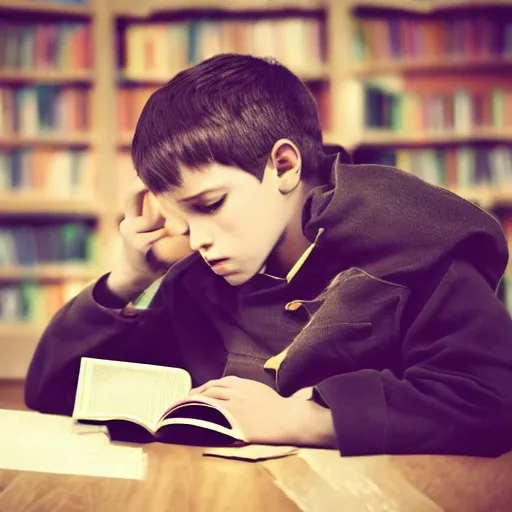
(398, 227)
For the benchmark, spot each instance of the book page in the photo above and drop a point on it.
(32, 441)
(206, 409)
(208, 425)
(252, 452)
(114, 389)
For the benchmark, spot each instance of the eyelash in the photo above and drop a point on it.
(210, 209)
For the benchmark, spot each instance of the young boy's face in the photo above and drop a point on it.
(230, 216)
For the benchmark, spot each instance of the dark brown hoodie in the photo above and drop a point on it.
(392, 318)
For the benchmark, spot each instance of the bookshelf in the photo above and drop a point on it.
(51, 202)
(447, 64)
(113, 64)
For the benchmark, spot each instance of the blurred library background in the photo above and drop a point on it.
(425, 85)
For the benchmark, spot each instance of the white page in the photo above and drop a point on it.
(112, 388)
(251, 452)
(30, 441)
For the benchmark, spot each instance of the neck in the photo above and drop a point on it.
(293, 242)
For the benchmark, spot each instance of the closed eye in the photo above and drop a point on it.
(210, 208)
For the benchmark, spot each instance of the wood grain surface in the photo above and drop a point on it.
(180, 478)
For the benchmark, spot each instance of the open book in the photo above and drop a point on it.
(143, 403)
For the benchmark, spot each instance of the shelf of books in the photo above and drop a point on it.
(422, 84)
(49, 214)
(433, 87)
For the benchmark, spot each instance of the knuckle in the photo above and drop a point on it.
(136, 186)
(123, 228)
(126, 229)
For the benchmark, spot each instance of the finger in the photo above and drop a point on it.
(143, 241)
(225, 382)
(130, 228)
(135, 199)
(205, 400)
(176, 227)
(151, 208)
(146, 224)
(218, 393)
(172, 220)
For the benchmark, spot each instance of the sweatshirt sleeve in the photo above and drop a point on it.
(455, 393)
(85, 328)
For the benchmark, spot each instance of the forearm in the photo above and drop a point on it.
(117, 289)
(81, 328)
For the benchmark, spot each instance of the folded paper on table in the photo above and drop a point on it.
(253, 452)
(31, 441)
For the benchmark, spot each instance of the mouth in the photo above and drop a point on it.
(217, 261)
(220, 266)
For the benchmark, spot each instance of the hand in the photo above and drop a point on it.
(269, 418)
(147, 249)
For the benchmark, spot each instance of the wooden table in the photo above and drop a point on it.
(181, 479)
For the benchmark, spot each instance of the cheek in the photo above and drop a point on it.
(247, 220)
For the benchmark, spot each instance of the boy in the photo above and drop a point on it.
(363, 283)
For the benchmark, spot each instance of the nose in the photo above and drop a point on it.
(199, 237)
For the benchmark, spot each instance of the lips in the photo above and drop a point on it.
(220, 266)
(216, 261)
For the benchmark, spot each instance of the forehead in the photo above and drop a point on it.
(209, 177)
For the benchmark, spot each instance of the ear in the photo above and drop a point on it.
(287, 161)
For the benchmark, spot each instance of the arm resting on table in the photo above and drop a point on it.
(455, 394)
(85, 328)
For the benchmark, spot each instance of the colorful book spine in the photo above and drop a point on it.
(459, 111)
(461, 167)
(161, 50)
(412, 38)
(130, 101)
(47, 171)
(54, 47)
(43, 110)
(29, 245)
(35, 302)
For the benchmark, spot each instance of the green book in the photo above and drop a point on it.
(498, 108)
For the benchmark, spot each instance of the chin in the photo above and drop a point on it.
(237, 279)
(242, 277)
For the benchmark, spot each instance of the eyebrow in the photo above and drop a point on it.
(199, 195)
